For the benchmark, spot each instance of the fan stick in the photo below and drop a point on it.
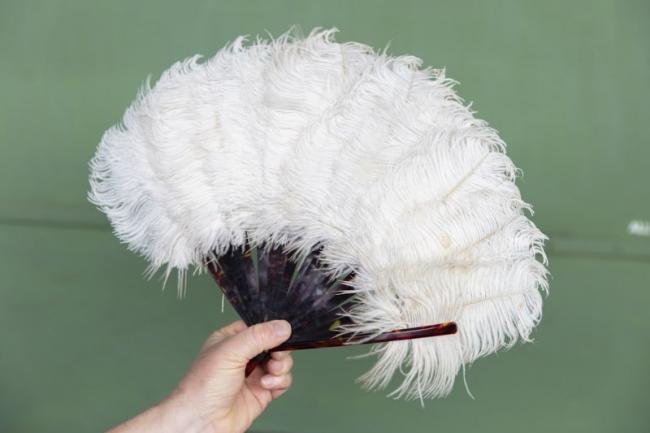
(438, 329)
(367, 338)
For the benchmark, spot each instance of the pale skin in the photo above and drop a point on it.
(215, 396)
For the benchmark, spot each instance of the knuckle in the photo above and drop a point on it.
(260, 334)
(277, 368)
(214, 338)
(283, 366)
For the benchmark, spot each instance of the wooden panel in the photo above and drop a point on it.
(563, 81)
(86, 343)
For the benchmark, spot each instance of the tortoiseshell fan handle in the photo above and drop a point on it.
(258, 360)
(438, 329)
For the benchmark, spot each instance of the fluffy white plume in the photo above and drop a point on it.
(303, 141)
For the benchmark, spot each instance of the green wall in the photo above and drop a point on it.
(85, 342)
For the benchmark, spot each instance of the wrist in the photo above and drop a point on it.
(177, 415)
(158, 418)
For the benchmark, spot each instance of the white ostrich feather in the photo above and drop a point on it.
(303, 141)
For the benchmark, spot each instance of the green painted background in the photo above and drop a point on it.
(85, 342)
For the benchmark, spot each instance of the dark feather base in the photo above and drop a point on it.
(264, 284)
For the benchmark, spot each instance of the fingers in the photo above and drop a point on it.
(278, 392)
(280, 366)
(279, 378)
(280, 355)
(238, 349)
(276, 383)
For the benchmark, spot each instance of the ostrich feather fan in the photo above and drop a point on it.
(368, 162)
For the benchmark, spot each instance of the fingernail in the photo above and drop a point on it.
(269, 381)
(282, 328)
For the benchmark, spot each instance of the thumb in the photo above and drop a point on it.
(239, 349)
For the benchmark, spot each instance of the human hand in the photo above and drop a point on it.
(215, 395)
